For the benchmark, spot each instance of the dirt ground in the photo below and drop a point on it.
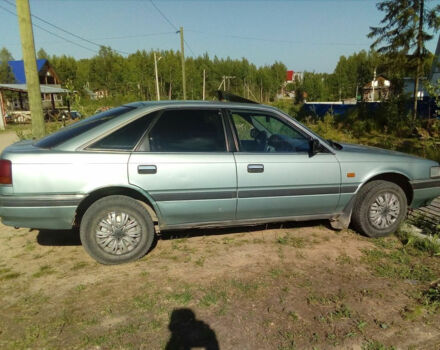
(301, 286)
(296, 286)
(7, 138)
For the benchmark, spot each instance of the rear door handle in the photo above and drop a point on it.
(255, 168)
(147, 169)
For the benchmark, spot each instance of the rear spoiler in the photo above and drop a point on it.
(227, 96)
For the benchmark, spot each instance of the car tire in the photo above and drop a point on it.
(379, 209)
(117, 229)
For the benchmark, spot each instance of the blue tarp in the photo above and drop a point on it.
(17, 68)
(321, 109)
(426, 108)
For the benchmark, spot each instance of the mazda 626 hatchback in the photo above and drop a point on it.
(193, 164)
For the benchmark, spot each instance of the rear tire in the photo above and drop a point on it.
(116, 229)
(379, 209)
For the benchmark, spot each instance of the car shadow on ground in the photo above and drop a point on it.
(198, 232)
(58, 237)
(71, 237)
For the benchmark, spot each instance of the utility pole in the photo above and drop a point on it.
(204, 84)
(373, 82)
(157, 76)
(30, 68)
(182, 55)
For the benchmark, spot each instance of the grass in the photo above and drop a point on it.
(376, 345)
(213, 296)
(44, 271)
(181, 298)
(292, 241)
(396, 264)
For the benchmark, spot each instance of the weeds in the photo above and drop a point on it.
(396, 264)
(296, 242)
(376, 345)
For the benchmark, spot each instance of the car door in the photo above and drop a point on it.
(183, 162)
(277, 174)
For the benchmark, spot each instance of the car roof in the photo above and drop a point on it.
(198, 103)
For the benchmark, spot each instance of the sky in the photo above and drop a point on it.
(306, 35)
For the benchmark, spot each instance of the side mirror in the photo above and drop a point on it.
(314, 147)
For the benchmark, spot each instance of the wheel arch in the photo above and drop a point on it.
(343, 220)
(397, 178)
(99, 193)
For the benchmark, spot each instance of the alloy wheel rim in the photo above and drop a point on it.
(384, 211)
(118, 233)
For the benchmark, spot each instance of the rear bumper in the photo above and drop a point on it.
(41, 212)
(424, 192)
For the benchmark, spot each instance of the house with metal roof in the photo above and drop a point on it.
(47, 74)
(50, 87)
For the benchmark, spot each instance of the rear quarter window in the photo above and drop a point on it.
(67, 133)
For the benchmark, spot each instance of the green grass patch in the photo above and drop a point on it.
(396, 264)
(213, 296)
(44, 271)
(10, 276)
(292, 241)
(376, 345)
(182, 298)
(79, 265)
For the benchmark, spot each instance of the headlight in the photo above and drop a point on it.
(435, 171)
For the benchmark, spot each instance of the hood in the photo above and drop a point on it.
(373, 153)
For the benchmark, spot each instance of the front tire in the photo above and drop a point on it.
(116, 229)
(379, 209)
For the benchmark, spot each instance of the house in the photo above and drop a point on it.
(377, 90)
(46, 72)
(47, 76)
(292, 76)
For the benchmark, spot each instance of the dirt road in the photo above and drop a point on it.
(7, 138)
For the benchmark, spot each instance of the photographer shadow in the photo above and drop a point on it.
(188, 333)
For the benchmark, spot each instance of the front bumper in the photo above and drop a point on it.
(40, 212)
(425, 191)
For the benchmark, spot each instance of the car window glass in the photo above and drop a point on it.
(80, 127)
(266, 134)
(188, 131)
(126, 137)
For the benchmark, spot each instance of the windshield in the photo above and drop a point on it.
(310, 131)
(80, 127)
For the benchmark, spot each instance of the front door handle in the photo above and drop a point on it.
(147, 169)
(255, 168)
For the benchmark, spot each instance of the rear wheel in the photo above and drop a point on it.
(116, 229)
(379, 209)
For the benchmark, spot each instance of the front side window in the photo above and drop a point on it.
(263, 133)
(188, 131)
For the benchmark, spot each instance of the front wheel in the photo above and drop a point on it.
(116, 229)
(379, 209)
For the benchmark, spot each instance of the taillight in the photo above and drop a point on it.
(5, 172)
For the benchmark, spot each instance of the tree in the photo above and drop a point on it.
(6, 75)
(41, 54)
(404, 33)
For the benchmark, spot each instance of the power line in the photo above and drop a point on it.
(172, 25)
(165, 17)
(52, 33)
(276, 40)
(65, 31)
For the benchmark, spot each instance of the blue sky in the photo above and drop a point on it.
(304, 34)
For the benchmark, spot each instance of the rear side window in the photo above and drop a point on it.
(78, 128)
(188, 131)
(126, 137)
